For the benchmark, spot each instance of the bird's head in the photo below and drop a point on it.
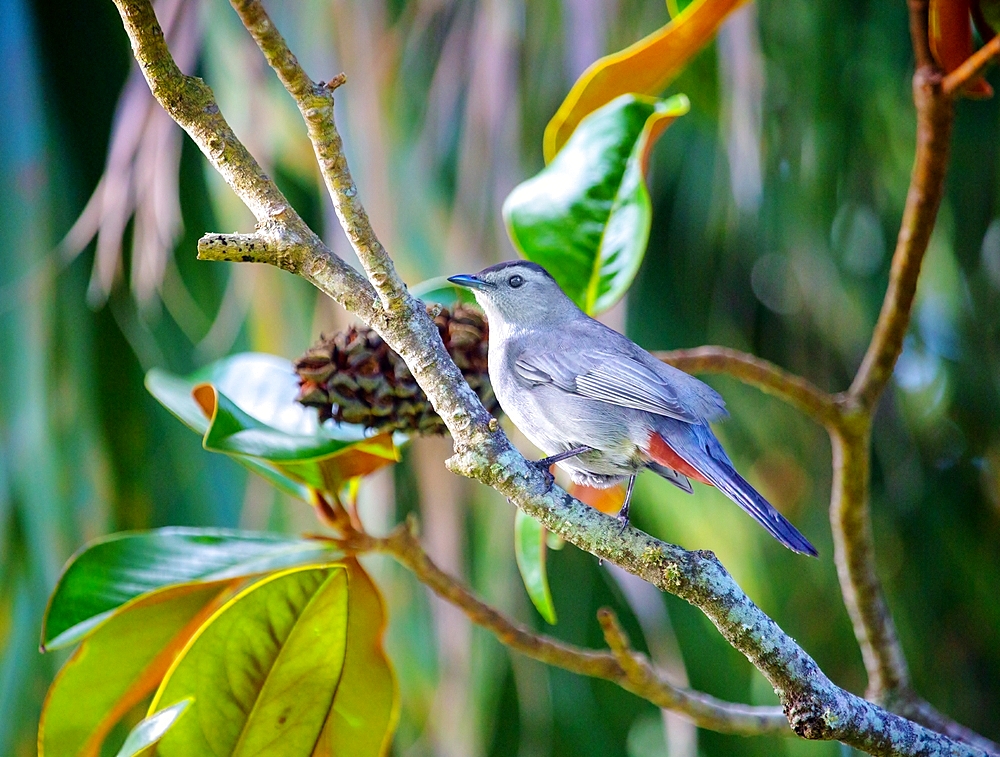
(518, 294)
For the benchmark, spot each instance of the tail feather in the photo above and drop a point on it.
(704, 457)
(738, 489)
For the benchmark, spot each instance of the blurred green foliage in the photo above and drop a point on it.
(775, 206)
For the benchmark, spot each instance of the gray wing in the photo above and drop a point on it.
(619, 379)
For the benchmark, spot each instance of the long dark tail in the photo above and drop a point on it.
(739, 490)
(698, 447)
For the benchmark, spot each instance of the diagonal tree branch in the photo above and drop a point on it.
(934, 117)
(815, 707)
(801, 394)
(637, 675)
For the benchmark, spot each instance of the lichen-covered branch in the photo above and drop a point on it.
(315, 102)
(636, 675)
(401, 320)
(814, 706)
(766, 376)
(190, 102)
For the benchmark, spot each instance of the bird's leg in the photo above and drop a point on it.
(623, 513)
(545, 462)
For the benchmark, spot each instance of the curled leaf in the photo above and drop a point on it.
(366, 707)
(245, 406)
(645, 67)
(586, 216)
(119, 664)
(114, 570)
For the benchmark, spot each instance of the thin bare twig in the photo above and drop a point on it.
(934, 117)
(918, 32)
(801, 394)
(815, 707)
(976, 63)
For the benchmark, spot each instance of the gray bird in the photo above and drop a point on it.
(596, 403)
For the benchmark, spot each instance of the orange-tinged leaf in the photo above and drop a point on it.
(120, 663)
(950, 32)
(645, 67)
(606, 500)
(366, 706)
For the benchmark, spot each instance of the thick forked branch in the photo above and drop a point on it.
(815, 707)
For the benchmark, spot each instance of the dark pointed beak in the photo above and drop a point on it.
(470, 281)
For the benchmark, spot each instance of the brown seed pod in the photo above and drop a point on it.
(354, 377)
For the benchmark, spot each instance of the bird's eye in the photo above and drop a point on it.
(515, 281)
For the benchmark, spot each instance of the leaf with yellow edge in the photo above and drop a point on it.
(263, 670)
(366, 706)
(645, 67)
(586, 216)
(119, 664)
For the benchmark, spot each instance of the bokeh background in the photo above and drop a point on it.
(776, 204)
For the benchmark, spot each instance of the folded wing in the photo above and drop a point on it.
(624, 381)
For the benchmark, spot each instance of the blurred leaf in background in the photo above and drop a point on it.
(774, 204)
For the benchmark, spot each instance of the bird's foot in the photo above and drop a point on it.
(623, 519)
(543, 467)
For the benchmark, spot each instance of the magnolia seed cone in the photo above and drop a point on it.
(354, 377)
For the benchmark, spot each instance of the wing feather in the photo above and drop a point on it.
(621, 380)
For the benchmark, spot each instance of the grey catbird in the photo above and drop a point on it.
(599, 405)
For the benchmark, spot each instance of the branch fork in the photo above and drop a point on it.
(814, 707)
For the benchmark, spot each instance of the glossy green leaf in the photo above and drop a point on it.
(529, 549)
(150, 730)
(111, 571)
(366, 707)
(263, 670)
(245, 406)
(586, 216)
(119, 665)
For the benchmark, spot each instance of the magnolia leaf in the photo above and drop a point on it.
(644, 68)
(245, 406)
(529, 549)
(120, 664)
(366, 706)
(586, 216)
(150, 730)
(263, 670)
(111, 571)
